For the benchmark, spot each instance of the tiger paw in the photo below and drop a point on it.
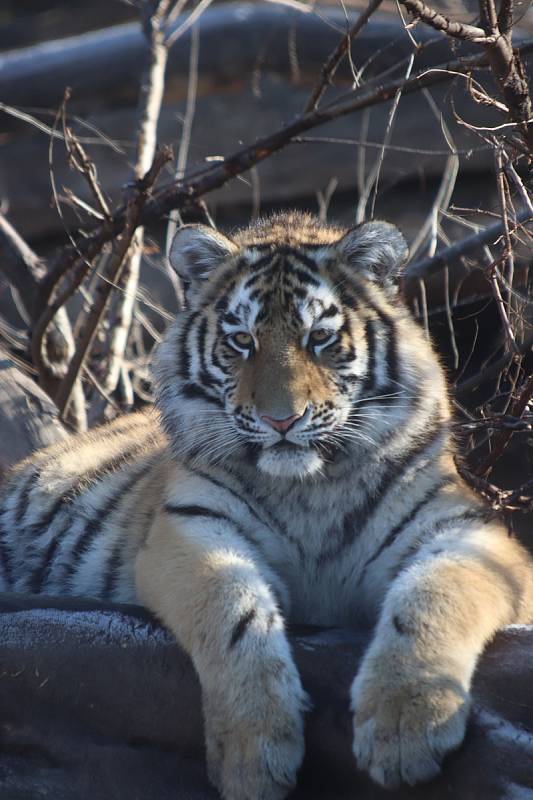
(248, 764)
(256, 755)
(404, 725)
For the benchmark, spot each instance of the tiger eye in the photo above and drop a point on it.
(319, 336)
(243, 339)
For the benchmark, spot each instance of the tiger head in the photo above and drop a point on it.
(290, 327)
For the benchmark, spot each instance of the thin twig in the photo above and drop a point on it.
(79, 159)
(330, 66)
(191, 19)
(24, 269)
(507, 66)
(504, 61)
(183, 155)
(500, 304)
(445, 191)
(387, 136)
(501, 422)
(503, 194)
(428, 266)
(517, 180)
(500, 442)
(152, 86)
(136, 200)
(184, 194)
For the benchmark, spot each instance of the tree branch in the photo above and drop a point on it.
(149, 106)
(507, 67)
(494, 370)
(505, 62)
(22, 267)
(465, 247)
(330, 66)
(438, 21)
(137, 198)
(184, 194)
(507, 500)
(24, 270)
(500, 442)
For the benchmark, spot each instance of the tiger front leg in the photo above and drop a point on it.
(205, 582)
(411, 695)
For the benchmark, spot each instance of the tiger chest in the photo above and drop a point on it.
(320, 555)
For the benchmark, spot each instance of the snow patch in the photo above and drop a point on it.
(514, 791)
(49, 627)
(519, 627)
(502, 731)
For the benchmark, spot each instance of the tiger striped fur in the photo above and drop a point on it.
(303, 471)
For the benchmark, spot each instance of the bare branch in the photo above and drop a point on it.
(500, 442)
(500, 422)
(183, 154)
(217, 175)
(500, 304)
(495, 496)
(428, 266)
(79, 159)
(137, 198)
(191, 19)
(438, 21)
(24, 270)
(330, 66)
(520, 499)
(149, 106)
(492, 372)
(505, 63)
(184, 194)
(427, 235)
(387, 136)
(21, 266)
(52, 309)
(505, 17)
(152, 87)
(517, 180)
(507, 66)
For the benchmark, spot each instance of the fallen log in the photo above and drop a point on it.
(256, 64)
(236, 41)
(100, 702)
(219, 125)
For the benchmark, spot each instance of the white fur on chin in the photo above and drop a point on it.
(299, 463)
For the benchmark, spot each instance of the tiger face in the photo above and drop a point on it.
(275, 350)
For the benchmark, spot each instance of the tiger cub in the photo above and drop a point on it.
(303, 471)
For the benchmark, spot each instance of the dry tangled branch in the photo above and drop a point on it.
(495, 34)
(137, 197)
(184, 194)
(458, 30)
(112, 337)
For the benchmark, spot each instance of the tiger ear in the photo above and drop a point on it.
(377, 250)
(196, 250)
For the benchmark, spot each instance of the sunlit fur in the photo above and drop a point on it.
(278, 282)
(226, 529)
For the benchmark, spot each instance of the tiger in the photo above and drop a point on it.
(299, 468)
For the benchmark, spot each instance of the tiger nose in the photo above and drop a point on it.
(281, 425)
